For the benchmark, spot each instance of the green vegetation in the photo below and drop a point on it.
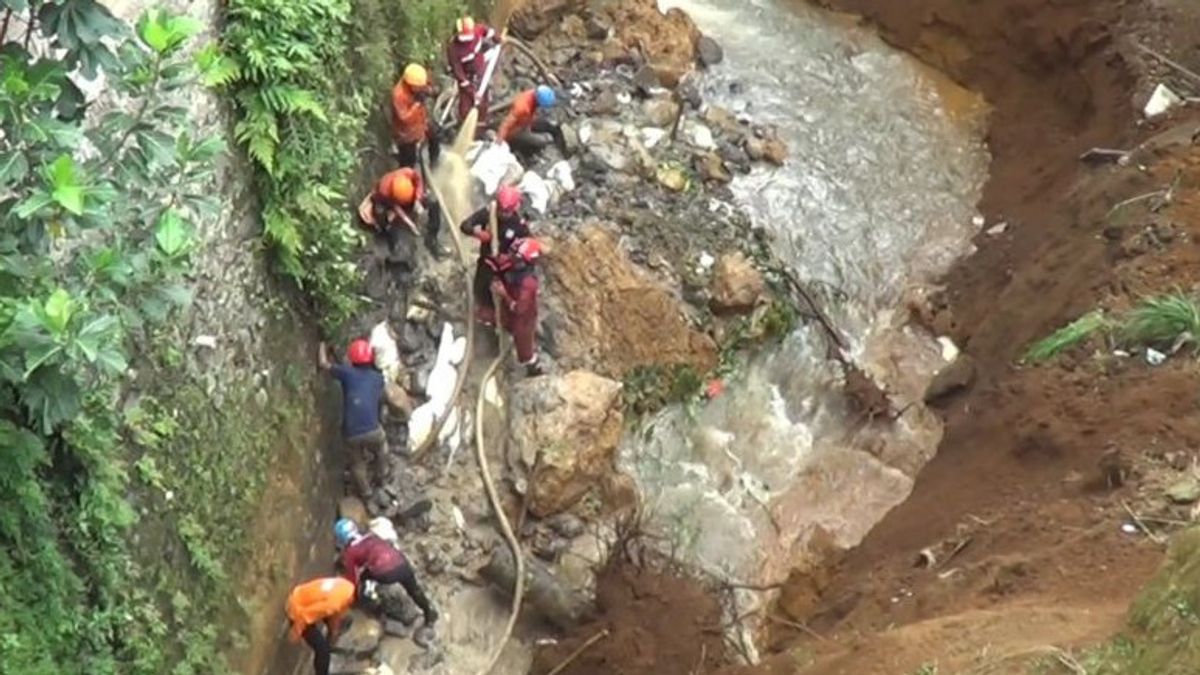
(1066, 337)
(1157, 321)
(97, 215)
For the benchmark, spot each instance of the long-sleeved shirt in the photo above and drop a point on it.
(520, 116)
(466, 58)
(510, 227)
(410, 118)
(371, 555)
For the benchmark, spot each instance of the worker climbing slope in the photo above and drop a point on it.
(516, 287)
(411, 124)
(468, 53)
(313, 605)
(362, 396)
(367, 557)
(398, 201)
(526, 129)
(510, 226)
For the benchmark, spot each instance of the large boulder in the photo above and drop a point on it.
(361, 637)
(601, 312)
(737, 285)
(565, 428)
(667, 41)
(535, 16)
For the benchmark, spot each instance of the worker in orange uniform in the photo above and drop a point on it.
(411, 126)
(516, 287)
(320, 601)
(523, 128)
(467, 54)
(395, 203)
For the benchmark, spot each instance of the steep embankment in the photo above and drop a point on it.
(1019, 496)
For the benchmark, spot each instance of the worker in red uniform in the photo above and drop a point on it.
(466, 53)
(510, 226)
(516, 286)
(524, 129)
(394, 205)
(411, 126)
(320, 601)
(367, 557)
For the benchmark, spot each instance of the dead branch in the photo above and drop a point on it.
(581, 649)
(1137, 520)
(1178, 67)
(798, 626)
(1134, 200)
(958, 548)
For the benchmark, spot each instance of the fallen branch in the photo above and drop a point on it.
(1142, 525)
(958, 548)
(753, 587)
(798, 626)
(579, 650)
(1134, 200)
(1179, 67)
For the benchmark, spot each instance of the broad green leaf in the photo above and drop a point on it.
(34, 203)
(13, 168)
(52, 398)
(37, 356)
(58, 310)
(61, 173)
(172, 234)
(15, 5)
(112, 359)
(70, 198)
(158, 147)
(152, 29)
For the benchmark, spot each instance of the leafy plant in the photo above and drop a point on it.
(1162, 320)
(1066, 337)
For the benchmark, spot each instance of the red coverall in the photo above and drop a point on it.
(510, 226)
(468, 64)
(517, 287)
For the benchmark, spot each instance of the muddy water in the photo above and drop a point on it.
(876, 200)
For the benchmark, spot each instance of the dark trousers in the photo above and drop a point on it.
(530, 141)
(485, 309)
(408, 154)
(316, 638)
(404, 575)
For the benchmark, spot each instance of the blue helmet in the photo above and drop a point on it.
(343, 530)
(545, 96)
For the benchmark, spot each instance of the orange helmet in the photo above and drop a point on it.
(465, 27)
(399, 188)
(415, 76)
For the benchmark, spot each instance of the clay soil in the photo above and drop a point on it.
(1021, 507)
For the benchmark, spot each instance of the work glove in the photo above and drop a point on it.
(484, 236)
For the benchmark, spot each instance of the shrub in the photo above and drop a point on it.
(1066, 337)
(1162, 320)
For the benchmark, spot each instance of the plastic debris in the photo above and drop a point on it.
(1155, 357)
(494, 164)
(537, 190)
(383, 528)
(209, 341)
(997, 229)
(1129, 528)
(387, 353)
(652, 136)
(949, 349)
(714, 388)
(707, 261)
(560, 173)
(1162, 100)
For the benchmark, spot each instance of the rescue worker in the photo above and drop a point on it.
(517, 287)
(411, 126)
(466, 54)
(395, 202)
(510, 225)
(320, 601)
(522, 129)
(362, 395)
(367, 557)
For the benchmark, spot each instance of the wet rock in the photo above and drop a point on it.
(954, 377)
(660, 111)
(610, 157)
(701, 137)
(395, 628)
(606, 104)
(567, 426)
(535, 16)
(567, 525)
(1186, 491)
(546, 593)
(709, 52)
(737, 285)
(672, 177)
(344, 664)
(362, 636)
(595, 28)
(396, 652)
(354, 509)
(712, 168)
(772, 150)
(721, 119)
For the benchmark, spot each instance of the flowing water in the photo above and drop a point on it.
(875, 202)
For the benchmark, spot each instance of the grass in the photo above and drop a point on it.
(1163, 319)
(1066, 337)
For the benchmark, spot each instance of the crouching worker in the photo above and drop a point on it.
(320, 601)
(516, 286)
(396, 202)
(525, 130)
(367, 557)
(510, 226)
(362, 394)
(411, 126)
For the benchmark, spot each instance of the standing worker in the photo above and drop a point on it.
(395, 202)
(326, 601)
(517, 287)
(362, 396)
(467, 52)
(522, 129)
(367, 557)
(510, 225)
(411, 126)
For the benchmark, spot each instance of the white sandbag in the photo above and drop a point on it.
(441, 387)
(560, 172)
(387, 353)
(494, 165)
(420, 425)
(382, 527)
(536, 190)
(1162, 100)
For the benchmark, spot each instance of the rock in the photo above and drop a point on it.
(772, 150)
(709, 52)
(671, 177)
(535, 16)
(396, 652)
(596, 29)
(954, 377)
(660, 111)
(721, 119)
(1185, 491)
(545, 593)
(567, 426)
(737, 285)
(567, 525)
(396, 628)
(606, 104)
(611, 157)
(712, 168)
(343, 664)
(701, 137)
(353, 508)
(362, 637)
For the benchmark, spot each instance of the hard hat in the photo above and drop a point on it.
(529, 249)
(508, 198)
(545, 96)
(343, 530)
(401, 189)
(360, 353)
(415, 76)
(465, 28)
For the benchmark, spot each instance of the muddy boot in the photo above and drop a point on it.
(431, 617)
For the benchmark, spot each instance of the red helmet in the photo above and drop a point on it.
(508, 199)
(360, 353)
(529, 249)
